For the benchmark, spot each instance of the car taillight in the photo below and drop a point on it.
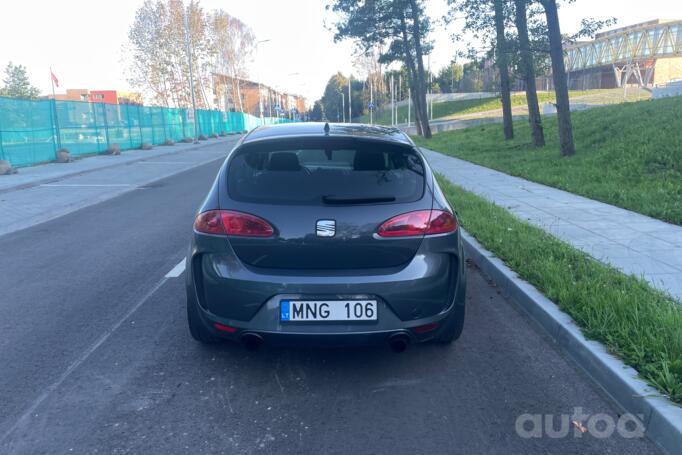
(228, 222)
(422, 222)
(441, 222)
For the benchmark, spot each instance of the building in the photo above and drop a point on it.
(646, 54)
(242, 95)
(72, 94)
(103, 96)
(98, 96)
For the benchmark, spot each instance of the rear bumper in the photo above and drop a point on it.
(267, 325)
(423, 292)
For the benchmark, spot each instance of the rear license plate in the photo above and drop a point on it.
(327, 310)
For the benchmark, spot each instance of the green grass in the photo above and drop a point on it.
(454, 109)
(641, 325)
(628, 155)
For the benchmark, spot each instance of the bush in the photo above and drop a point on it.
(64, 156)
(6, 168)
(113, 149)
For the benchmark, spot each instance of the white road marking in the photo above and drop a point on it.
(86, 185)
(26, 415)
(177, 270)
(166, 162)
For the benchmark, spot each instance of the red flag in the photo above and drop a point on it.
(54, 79)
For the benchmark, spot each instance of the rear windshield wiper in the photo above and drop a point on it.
(358, 200)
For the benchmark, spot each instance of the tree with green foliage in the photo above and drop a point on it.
(331, 102)
(400, 28)
(449, 77)
(537, 32)
(16, 83)
(503, 67)
(487, 20)
(556, 52)
(317, 113)
(527, 68)
(472, 76)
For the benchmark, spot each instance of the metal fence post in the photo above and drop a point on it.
(52, 129)
(93, 106)
(130, 131)
(197, 114)
(2, 151)
(151, 123)
(56, 132)
(106, 124)
(164, 115)
(139, 123)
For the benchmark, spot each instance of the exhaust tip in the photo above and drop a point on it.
(398, 342)
(252, 341)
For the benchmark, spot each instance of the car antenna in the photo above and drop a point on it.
(326, 129)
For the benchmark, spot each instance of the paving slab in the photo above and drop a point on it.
(633, 243)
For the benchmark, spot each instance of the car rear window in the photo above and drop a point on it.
(325, 172)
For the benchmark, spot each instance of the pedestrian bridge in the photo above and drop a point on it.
(632, 44)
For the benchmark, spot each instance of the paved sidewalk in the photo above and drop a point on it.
(633, 243)
(52, 190)
(30, 176)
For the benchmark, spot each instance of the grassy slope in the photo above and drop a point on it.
(450, 109)
(636, 322)
(628, 155)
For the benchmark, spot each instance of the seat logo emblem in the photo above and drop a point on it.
(326, 228)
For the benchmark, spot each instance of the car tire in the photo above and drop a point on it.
(453, 327)
(197, 328)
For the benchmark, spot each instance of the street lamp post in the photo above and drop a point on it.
(343, 106)
(392, 86)
(409, 107)
(430, 105)
(350, 115)
(371, 101)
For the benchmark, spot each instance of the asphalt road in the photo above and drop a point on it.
(95, 357)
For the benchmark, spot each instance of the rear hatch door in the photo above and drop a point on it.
(325, 198)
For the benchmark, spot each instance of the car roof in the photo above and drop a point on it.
(317, 129)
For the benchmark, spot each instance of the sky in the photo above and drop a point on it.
(83, 40)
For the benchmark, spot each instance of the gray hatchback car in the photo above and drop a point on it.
(326, 234)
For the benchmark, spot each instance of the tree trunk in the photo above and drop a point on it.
(418, 119)
(417, 115)
(421, 80)
(503, 67)
(528, 70)
(556, 51)
(414, 80)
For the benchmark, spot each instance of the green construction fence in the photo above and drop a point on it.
(31, 131)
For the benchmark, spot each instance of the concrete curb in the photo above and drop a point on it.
(661, 417)
(52, 179)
